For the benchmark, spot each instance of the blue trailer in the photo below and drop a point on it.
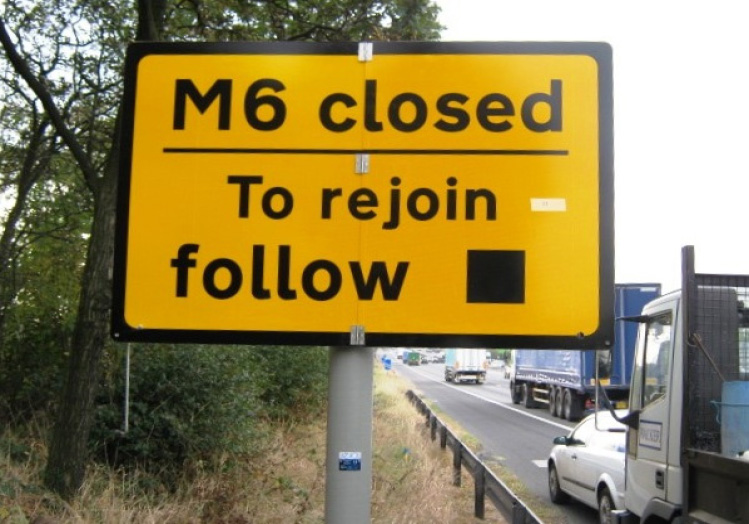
(564, 380)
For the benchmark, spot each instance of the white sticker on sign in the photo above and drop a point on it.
(349, 461)
(548, 204)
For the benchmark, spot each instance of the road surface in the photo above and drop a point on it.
(519, 439)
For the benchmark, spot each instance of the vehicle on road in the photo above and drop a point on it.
(466, 364)
(688, 426)
(588, 465)
(563, 381)
(437, 358)
(412, 358)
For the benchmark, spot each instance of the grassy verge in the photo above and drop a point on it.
(412, 475)
(282, 483)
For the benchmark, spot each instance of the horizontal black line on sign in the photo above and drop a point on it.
(249, 151)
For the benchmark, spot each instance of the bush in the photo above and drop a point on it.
(32, 365)
(194, 403)
(293, 380)
(186, 403)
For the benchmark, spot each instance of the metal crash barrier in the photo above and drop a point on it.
(486, 483)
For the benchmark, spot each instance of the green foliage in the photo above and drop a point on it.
(186, 402)
(39, 325)
(31, 366)
(412, 20)
(502, 354)
(293, 380)
(196, 403)
(312, 20)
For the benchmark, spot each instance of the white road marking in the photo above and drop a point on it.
(541, 463)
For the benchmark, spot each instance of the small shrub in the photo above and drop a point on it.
(190, 404)
(187, 403)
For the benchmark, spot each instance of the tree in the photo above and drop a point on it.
(43, 278)
(23, 166)
(87, 39)
(45, 216)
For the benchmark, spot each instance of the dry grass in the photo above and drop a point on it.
(412, 475)
(411, 480)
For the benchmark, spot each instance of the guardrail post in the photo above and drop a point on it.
(443, 437)
(424, 410)
(433, 427)
(518, 513)
(479, 486)
(457, 459)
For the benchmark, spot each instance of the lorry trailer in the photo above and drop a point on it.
(466, 364)
(564, 381)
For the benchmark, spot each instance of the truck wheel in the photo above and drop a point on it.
(559, 402)
(573, 406)
(514, 393)
(528, 400)
(552, 401)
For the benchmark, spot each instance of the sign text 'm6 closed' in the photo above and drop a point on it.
(425, 194)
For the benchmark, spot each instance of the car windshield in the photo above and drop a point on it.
(608, 436)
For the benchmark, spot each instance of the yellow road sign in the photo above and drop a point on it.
(433, 194)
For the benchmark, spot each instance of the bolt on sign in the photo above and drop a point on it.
(424, 194)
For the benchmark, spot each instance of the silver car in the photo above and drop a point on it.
(588, 464)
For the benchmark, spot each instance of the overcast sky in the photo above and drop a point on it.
(681, 119)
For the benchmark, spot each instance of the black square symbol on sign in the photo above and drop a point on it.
(496, 277)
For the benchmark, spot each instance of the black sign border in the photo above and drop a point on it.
(602, 338)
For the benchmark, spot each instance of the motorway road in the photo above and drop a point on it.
(518, 438)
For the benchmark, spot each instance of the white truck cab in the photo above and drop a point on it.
(654, 473)
(688, 425)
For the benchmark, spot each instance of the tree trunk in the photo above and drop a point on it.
(68, 451)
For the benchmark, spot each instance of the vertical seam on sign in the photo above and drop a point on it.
(365, 55)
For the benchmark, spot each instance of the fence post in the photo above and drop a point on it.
(457, 459)
(479, 487)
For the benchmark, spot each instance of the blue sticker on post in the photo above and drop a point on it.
(349, 461)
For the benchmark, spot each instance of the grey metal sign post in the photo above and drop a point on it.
(348, 471)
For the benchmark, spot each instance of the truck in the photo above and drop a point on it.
(564, 381)
(465, 364)
(688, 421)
(412, 358)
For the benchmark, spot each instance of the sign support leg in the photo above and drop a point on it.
(348, 471)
